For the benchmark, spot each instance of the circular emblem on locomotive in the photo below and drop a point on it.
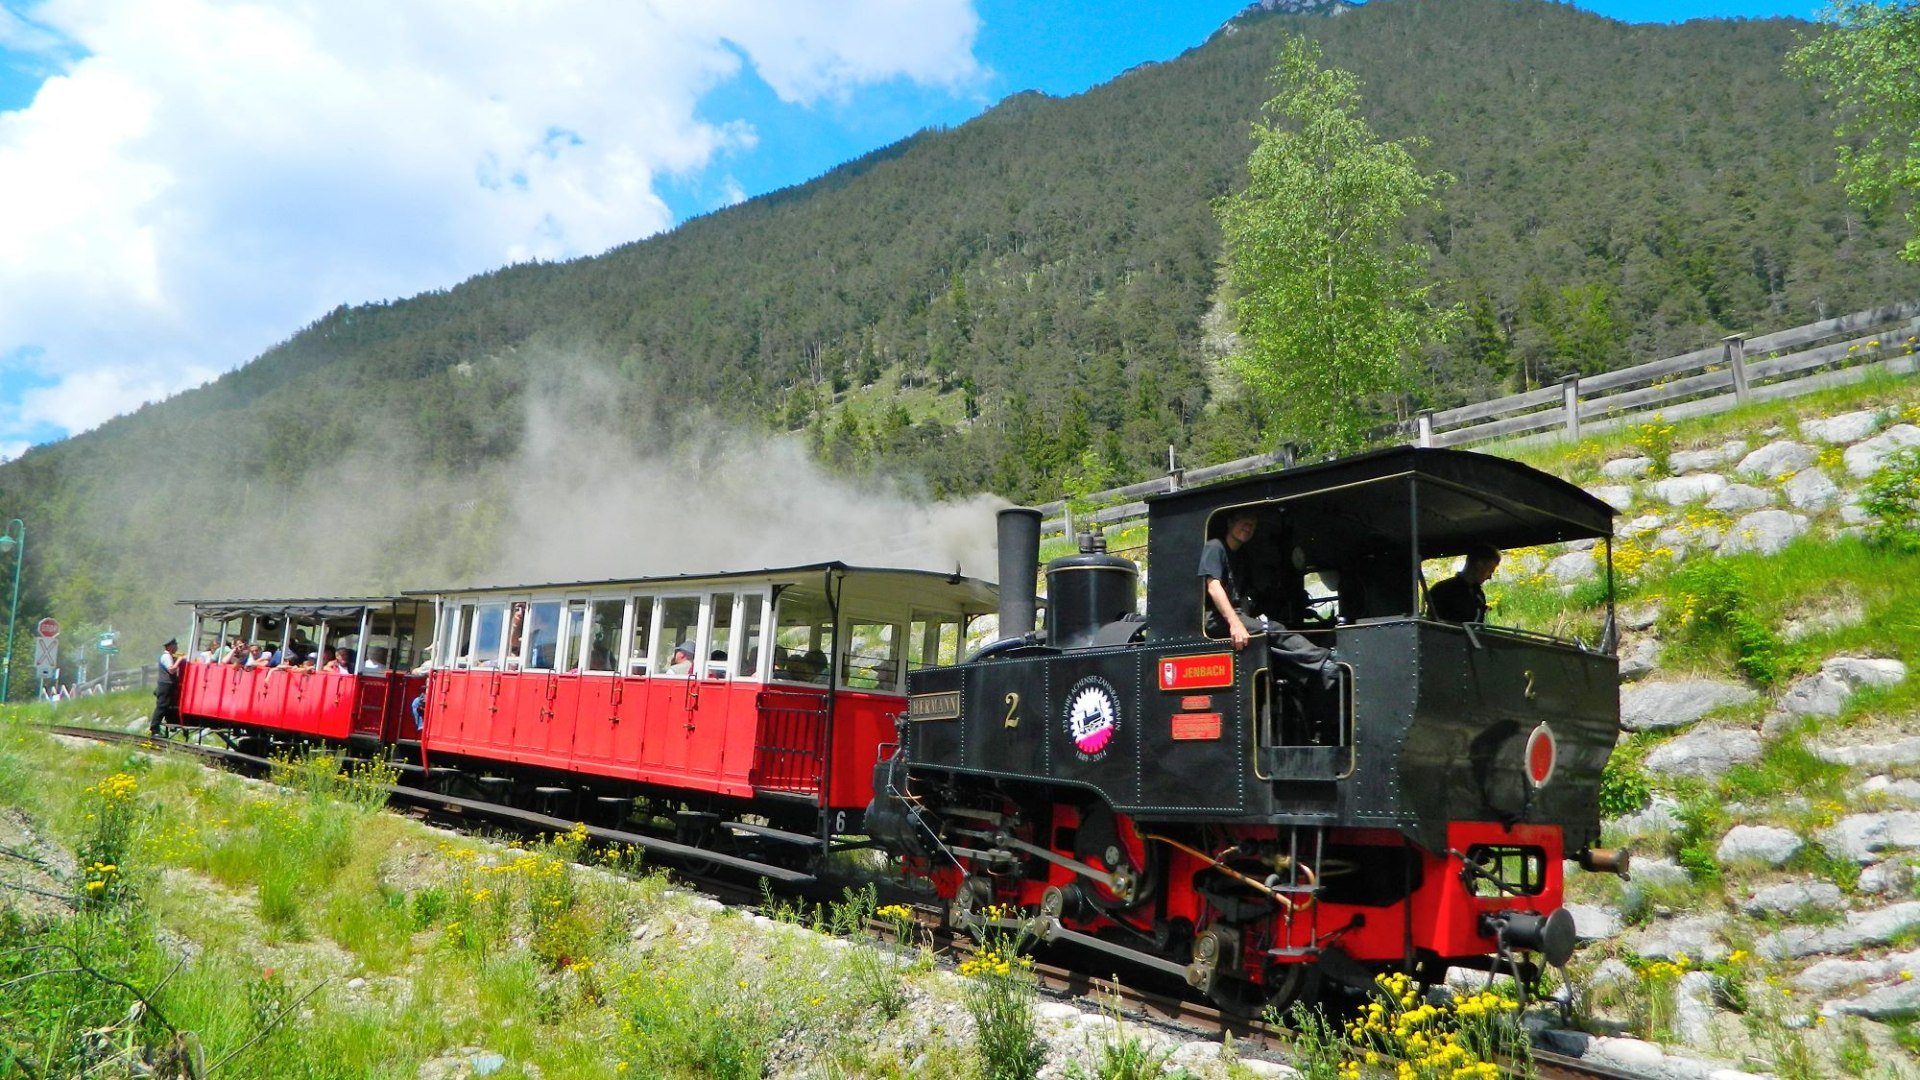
(1543, 753)
(1093, 717)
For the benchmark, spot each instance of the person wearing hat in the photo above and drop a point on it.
(166, 690)
(682, 659)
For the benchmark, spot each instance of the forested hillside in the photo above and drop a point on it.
(1025, 302)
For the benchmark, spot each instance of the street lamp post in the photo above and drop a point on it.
(17, 544)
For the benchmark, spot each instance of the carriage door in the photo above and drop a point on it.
(674, 690)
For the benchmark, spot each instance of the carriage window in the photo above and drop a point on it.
(459, 628)
(489, 624)
(602, 636)
(873, 656)
(638, 652)
(802, 636)
(542, 635)
(679, 625)
(934, 640)
(720, 643)
(573, 635)
(755, 614)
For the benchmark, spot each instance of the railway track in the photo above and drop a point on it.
(1167, 1010)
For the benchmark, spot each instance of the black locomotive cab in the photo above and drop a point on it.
(1362, 760)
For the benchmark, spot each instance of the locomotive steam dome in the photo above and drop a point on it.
(1087, 591)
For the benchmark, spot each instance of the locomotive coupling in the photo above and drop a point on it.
(1551, 935)
(1607, 861)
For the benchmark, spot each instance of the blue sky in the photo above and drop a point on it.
(183, 185)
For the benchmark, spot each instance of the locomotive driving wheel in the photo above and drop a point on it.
(1110, 841)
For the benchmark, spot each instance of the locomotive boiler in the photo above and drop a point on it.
(1131, 784)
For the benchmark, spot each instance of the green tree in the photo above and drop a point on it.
(1867, 63)
(1329, 300)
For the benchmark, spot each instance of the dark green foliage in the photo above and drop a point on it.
(1042, 274)
(1892, 500)
(1713, 605)
(1624, 787)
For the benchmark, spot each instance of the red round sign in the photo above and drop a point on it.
(1543, 753)
(49, 628)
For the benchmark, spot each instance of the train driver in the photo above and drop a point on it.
(1461, 598)
(1224, 571)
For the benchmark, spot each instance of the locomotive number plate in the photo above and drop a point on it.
(944, 705)
(1206, 671)
(1195, 726)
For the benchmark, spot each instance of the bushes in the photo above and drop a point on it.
(1892, 502)
(1712, 606)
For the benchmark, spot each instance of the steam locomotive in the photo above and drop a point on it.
(1131, 785)
(1121, 782)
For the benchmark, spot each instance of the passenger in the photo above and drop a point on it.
(258, 656)
(812, 667)
(1461, 598)
(166, 691)
(514, 627)
(376, 661)
(237, 653)
(341, 664)
(682, 659)
(1223, 569)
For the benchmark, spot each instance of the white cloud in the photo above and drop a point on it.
(208, 175)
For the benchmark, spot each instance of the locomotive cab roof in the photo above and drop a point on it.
(1385, 511)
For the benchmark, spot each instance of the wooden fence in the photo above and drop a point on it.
(1738, 370)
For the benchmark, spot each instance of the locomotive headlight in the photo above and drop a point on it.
(1551, 935)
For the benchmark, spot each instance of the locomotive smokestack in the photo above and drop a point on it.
(1019, 569)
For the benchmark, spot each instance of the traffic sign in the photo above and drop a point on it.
(46, 652)
(49, 627)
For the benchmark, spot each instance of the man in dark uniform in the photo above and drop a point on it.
(1224, 570)
(166, 691)
(1461, 598)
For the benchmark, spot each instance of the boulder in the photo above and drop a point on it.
(1737, 497)
(1897, 1001)
(1792, 896)
(1852, 513)
(1823, 977)
(1706, 754)
(1618, 496)
(1681, 490)
(1811, 491)
(1888, 787)
(1825, 692)
(1696, 936)
(1640, 618)
(1865, 458)
(1686, 461)
(1672, 703)
(1659, 872)
(1628, 468)
(1765, 532)
(1860, 930)
(1572, 568)
(1594, 922)
(1693, 1009)
(1864, 838)
(1845, 428)
(1638, 660)
(1903, 752)
(1766, 844)
(1658, 817)
(1777, 459)
(1893, 877)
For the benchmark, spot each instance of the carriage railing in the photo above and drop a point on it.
(790, 746)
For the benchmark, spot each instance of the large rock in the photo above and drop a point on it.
(1736, 497)
(1660, 816)
(1686, 461)
(1890, 878)
(1655, 706)
(1811, 491)
(1766, 532)
(1887, 786)
(1659, 872)
(1693, 1009)
(1618, 496)
(1845, 428)
(1902, 752)
(1792, 896)
(1572, 568)
(1777, 459)
(1696, 937)
(1593, 922)
(1638, 660)
(1860, 930)
(1825, 692)
(1637, 1058)
(1863, 459)
(1633, 527)
(1766, 844)
(1901, 999)
(1706, 754)
(1628, 468)
(1681, 490)
(1865, 838)
(1823, 977)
